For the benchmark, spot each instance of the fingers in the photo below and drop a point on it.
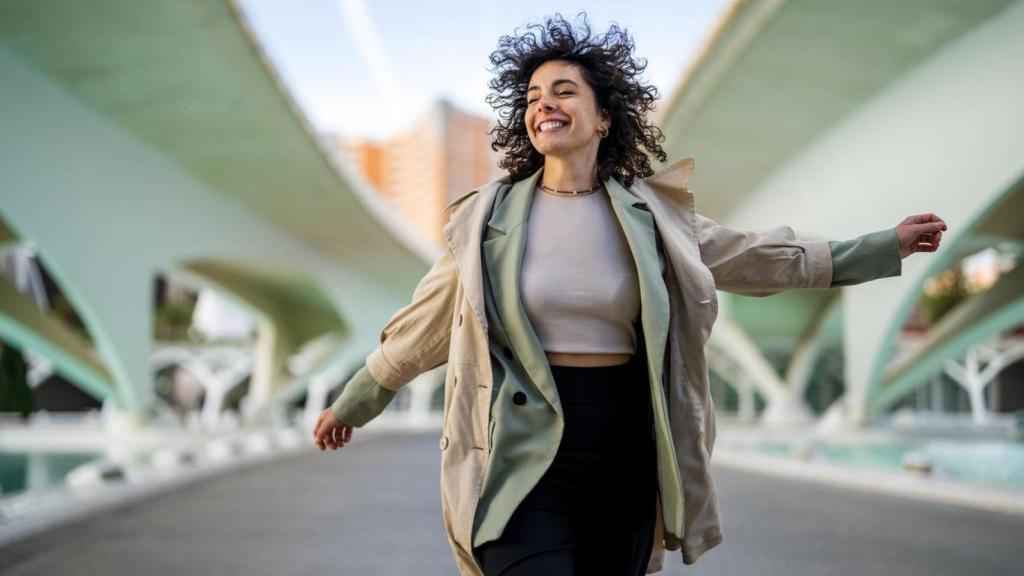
(925, 218)
(316, 426)
(339, 436)
(333, 436)
(927, 228)
(927, 242)
(926, 222)
(343, 434)
(322, 435)
(326, 439)
(329, 432)
(920, 233)
(925, 235)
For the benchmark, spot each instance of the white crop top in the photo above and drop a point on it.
(578, 281)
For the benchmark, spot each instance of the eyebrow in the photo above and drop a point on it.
(553, 84)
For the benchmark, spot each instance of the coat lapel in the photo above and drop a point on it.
(672, 206)
(638, 226)
(503, 247)
(463, 233)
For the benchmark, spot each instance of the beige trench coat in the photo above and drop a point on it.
(447, 321)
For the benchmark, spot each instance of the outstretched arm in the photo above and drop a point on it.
(414, 340)
(762, 263)
(766, 263)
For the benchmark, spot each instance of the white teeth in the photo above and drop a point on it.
(546, 126)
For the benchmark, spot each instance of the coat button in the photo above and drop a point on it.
(460, 319)
(444, 442)
(455, 381)
(508, 352)
(519, 398)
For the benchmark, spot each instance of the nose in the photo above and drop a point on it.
(544, 104)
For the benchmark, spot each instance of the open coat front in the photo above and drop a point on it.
(502, 417)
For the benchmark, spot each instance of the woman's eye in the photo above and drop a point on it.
(531, 101)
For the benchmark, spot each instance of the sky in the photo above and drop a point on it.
(369, 69)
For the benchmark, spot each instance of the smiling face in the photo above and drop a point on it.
(562, 116)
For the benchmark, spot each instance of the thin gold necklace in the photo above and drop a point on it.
(570, 193)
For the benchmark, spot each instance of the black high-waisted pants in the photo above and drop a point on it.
(593, 511)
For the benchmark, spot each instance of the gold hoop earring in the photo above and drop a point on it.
(602, 132)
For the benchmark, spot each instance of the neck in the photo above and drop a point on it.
(575, 173)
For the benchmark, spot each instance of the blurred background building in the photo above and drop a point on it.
(443, 155)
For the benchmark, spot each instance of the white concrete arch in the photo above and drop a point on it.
(227, 171)
(928, 132)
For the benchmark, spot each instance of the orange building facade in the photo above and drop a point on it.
(445, 154)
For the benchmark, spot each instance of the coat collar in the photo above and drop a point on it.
(516, 209)
(665, 193)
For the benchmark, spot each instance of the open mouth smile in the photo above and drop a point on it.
(552, 126)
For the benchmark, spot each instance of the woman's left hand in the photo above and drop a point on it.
(920, 233)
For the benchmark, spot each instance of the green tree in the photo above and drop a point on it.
(948, 289)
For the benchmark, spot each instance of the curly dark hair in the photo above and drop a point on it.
(607, 65)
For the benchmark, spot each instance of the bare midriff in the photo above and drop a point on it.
(587, 360)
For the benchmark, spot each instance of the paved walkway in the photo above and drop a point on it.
(373, 508)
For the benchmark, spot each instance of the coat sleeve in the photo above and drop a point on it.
(413, 341)
(762, 263)
(868, 257)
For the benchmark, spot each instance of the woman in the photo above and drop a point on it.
(577, 414)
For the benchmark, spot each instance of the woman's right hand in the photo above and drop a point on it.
(329, 432)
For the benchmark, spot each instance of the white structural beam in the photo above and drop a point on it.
(943, 138)
(115, 213)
